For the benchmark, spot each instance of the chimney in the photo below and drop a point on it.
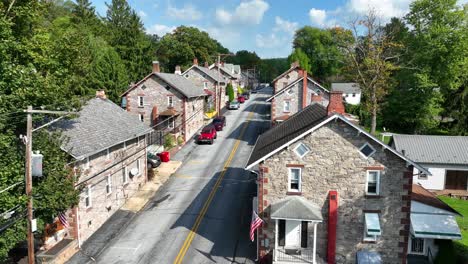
(222, 64)
(336, 103)
(206, 64)
(316, 98)
(195, 61)
(294, 64)
(177, 70)
(332, 226)
(304, 91)
(156, 67)
(101, 94)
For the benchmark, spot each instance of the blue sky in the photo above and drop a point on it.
(264, 26)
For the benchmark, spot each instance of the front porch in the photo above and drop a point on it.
(300, 255)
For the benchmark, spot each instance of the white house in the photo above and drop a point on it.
(351, 92)
(446, 157)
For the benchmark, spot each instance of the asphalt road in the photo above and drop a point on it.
(202, 214)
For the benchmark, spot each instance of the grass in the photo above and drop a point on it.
(460, 246)
(378, 134)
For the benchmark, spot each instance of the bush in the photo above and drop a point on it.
(446, 252)
(239, 90)
(180, 140)
(169, 141)
(230, 92)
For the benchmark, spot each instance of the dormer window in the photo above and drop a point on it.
(367, 150)
(301, 150)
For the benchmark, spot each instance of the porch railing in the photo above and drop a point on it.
(300, 255)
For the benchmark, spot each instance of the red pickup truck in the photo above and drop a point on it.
(208, 134)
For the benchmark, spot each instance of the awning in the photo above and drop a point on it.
(296, 208)
(169, 112)
(372, 224)
(438, 226)
(367, 257)
(209, 92)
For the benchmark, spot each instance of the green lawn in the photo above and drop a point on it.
(461, 246)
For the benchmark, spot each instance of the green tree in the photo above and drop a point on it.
(244, 58)
(230, 92)
(301, 57)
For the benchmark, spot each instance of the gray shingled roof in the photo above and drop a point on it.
(101, 124)
(433, 149)
(182, 84)
(347, 88)
(286, 131)
(212, 74)
(295, 207)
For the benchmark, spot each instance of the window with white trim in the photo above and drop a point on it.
(294, 179)
(373, 182)
(171, 123)
(109, 184)
(141, 117)
(205, 85)
(371, 227)
(301, 150)
(286, 106)
(124, 175)
(170, 101)
(86, 163)
(87, 197)
(141, 101)
(367, 150)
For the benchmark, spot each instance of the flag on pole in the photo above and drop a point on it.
(256, 223)
(63, 219)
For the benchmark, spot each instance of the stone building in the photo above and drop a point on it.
(230, 72)
(293, 91)
(328, 190)
(213, 83)
(109, 146)
(167, 102)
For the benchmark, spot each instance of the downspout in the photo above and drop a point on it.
(332, 222)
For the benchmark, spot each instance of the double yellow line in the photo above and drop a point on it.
(191, 235)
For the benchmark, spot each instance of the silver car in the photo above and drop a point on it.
(234, 105)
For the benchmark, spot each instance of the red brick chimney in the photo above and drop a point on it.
(177, 70)
(101, 94)
(156, 67)
(195, 61)
(336, 103)
(304, 90)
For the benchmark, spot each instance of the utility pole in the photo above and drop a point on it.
(28, 180)
(218, 88)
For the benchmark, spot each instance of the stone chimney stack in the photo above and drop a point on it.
(177, 70)
(156, 67)
(336, 106)
(207, 64)
(294, 64)
(195, 61)
(101, 94)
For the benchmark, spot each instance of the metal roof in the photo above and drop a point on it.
(346, 88)
(433, 149)
(100, 124)
(297, 208)
(438, 226)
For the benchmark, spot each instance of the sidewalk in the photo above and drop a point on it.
(93, 247)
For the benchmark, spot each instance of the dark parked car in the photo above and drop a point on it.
(208, 134)
(219, 122)
(153, 161)
(246, 95)
(241, 99)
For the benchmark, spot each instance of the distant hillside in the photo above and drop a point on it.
(270, 68)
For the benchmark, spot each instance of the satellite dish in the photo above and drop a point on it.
(134, 171)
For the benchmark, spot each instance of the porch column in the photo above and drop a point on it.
(275, 255)
(315, 243)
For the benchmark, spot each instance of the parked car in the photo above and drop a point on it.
(219, 122)
(254, 90)
(241, 99)
(234, 105)
(153, 160)
(208, 134)
(246, 95)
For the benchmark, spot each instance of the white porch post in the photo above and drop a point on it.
(315, 243)
(275, 254)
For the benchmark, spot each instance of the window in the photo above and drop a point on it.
(170, 101)
(373, 182)
(141, 117)
(417, 245)
(139, 166)
(372, 226)
(124, 175)
(205, 85)
(294, 180)
(86, 163)
(109, 184)
(354, 94)
(141, 101)
(301, 150)
(367, 150)
(88, 202)
(286, 106)
(171, 123)
(290, 91)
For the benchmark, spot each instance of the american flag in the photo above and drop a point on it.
(256, 223)
(63, 219)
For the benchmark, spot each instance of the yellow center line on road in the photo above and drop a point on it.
(191, 235)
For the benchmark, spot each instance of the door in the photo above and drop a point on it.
(293, 234)
(456, 180)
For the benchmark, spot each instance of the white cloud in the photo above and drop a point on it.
(317, 16)
(285, 25)
(246, 13)
(160, 29)
(142, 14)
(188, 12)
(385, 9)
(268, 41)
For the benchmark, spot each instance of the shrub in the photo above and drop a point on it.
(239, 90)
(180, 140)
(169, 141)
(230, 92)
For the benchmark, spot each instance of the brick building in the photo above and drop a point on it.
(328, 190)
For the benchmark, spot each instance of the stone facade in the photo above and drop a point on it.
(200, 79)
(155, 93)
(114, 162)
(335, 163)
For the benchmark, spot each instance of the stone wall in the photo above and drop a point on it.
(194, 115)
(101, 165)
(335, 163)
(199, 78)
